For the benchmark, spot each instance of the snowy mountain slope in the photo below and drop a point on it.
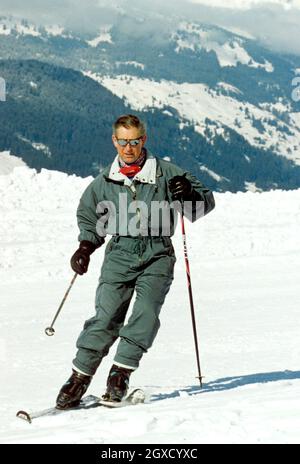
(208, 69)
(228, 48)
(211, 112)
(69, 118)
(10, 26)
(248, 250)
(19, 28)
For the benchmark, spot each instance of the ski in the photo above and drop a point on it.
(136, 396)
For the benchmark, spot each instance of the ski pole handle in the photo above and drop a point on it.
(50, 330)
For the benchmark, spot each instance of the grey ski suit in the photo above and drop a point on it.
(139, 257)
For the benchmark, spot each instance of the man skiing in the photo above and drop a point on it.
(139, 256)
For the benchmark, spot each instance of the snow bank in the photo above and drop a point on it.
(8, 162)
(38, 224)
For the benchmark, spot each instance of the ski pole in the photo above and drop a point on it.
(188, 275)
(50, 330)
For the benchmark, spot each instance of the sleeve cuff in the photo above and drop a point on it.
(90, 237)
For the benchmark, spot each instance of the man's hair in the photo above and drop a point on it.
(128, 121)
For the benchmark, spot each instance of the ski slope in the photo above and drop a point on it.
(244, 260)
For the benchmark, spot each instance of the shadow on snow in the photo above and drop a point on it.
(228, 383)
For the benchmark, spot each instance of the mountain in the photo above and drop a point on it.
(57, 118)
(213, 100)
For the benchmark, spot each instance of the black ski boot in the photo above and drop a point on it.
(73, 390)
(117, 384)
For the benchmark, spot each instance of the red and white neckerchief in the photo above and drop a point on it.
(130, 170)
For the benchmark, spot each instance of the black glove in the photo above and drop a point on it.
(81, 258)
(180, 188)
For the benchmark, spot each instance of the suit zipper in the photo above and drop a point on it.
(134, 196)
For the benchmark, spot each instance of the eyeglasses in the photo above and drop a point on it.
(132, 142)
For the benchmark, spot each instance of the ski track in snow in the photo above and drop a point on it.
(244, 260)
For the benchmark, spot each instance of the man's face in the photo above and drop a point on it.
(128, 153)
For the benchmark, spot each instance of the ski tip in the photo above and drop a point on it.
(137, 396)
(24, 415)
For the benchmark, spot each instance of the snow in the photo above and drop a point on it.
(251, 186)
(8, 162)
(54, 29)
(4, 30)
(21, 27)
(229, 53)
(37, 146)
(244, 260)
(27, 29)
(136, 64)
(13, 25)
(42, 147)
(213, 174)
(104, 36)
(229, 87)
(197, 102)
(33, 84)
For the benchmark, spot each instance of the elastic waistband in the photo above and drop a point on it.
(164, 239)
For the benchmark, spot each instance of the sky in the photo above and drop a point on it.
(275, 23)
(245, 4)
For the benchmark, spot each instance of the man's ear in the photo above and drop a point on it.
(114, 141)
(144, 139)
